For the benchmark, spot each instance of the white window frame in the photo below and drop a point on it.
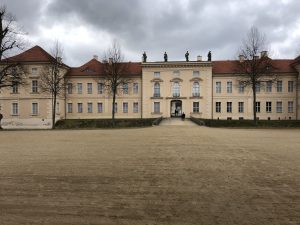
(229, 107)
(69, 107)
(90, 88)
(135, 88)
(218, 107)
(279, 86)
(257, 107)
(218, 87)
(15, 108)
(229, 87)
(290, 106)
(34, 108)
(241, 107)
(268, 107)
(79, 107)
(290, 86)
(100, 107)
(279, 107)
(135, 107)
(90, 107)
(79, 88)
(34, 86)
(156, 108)
(196, 107)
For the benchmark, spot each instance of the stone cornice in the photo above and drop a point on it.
(176, 64)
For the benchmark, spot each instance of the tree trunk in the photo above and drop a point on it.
(53, 110)
(113, 108)
(254, 103)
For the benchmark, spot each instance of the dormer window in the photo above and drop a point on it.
(34, 71)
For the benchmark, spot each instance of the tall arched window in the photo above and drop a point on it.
(176, 89)
(196, 89)
(156, 89)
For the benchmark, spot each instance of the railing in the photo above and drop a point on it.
(176, 95)
(196, 94)
(156, 95)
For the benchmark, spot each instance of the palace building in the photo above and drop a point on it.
(201, 88)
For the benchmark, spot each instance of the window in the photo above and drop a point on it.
(125, 107)
(241, 107)
(34, 86)
(279, 86)
(100, 88)
(57, 107)
(100, 107)
(290, 86)
(269, 86)
(156, 89)
(229, 86)
(156, 74)
(70, 108)
(79, 107)
(15, 88)
(15, 109)
(279, 107)
(196, 74)
(90, 107)
(257, 87)
(135, 107)
(290, 106)
(195, 107)
(241, 87)
(229, 107)
(34, 71)
(218, 107)
(268, 107)
(196, 89)
(79, 88)
(176, 89)
(90, 88)
(135, 88)
(125, 89)
(116, 107)
(69, 88)
(218, 87)
(156, 107)
(257, 107)
(34, 108)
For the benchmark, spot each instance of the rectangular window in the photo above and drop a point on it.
(195, 107)
(79, 107)
(57, 107)
(279, 86)
(268, 107)
(100, 87)
(257, 107)
(269, 86)
(100, 107)
(125, 107)
(135, 107)
(116, 107)
(70, 108)
(229, 86)
(135, 88)
(218, 87)
(90, 88)
(125, 89)
(218, 107)
(257, 87)
(34, 108)
(279, 107)
(156, 107)
(196, 74)
(15, 88)
(290, 106)
(79, 88)
(69, 88)
(34, 86)
(90, 107)
(241, 87)
(15, 109)
(156, 74)
(229, 107)
(34, 71)
(241, 107)
(290, 86)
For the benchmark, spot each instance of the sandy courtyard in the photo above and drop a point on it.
(185, 175)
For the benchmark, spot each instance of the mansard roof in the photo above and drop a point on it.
(96, 68)
(232, 66)
(34, 54)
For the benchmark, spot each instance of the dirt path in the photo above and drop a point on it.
(186, 175)
(177, 122)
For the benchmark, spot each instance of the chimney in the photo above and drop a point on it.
(241, 58)
(264, 54)
(199, 58)
(95, 57)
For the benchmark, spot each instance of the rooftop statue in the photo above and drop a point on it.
(209, 56)
(166, 57)
(187, 56)
(144, 57)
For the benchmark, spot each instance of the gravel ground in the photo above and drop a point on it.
(185, 175)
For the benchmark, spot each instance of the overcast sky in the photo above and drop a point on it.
(87, 27)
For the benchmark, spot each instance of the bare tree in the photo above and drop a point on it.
(116, 74)
(53, 80)
(254, 64)
(11, 40)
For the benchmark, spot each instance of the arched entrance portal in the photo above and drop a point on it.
(176, 108)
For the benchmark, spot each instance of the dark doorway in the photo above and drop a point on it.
(176, 108)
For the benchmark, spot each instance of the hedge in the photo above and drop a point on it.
(246, 123)
(105, 123)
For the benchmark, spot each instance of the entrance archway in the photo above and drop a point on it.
(176, 108)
